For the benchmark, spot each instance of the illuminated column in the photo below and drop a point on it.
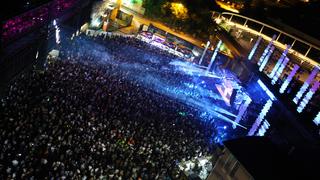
(263, 129)
(280, 61)
(213, 58)
(265, 52)
(266, 90)
(308, 96)
(266, 59)
(317, 119)
(57, 30)
(204, 52)
(289, 78)
(261, 116)
(280, 70)
(243, 109)
(306, 84)
(253, 50)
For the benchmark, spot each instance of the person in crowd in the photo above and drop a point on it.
(79, 120)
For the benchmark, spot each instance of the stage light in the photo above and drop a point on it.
(306, 84)
(265, 52)
(57, 31)
(213, 58)
(280, 70)
(269, 93)
(289, 78)
(37, 55)
(253, 50)
(308, 96)
(266, 59)
(261, 116)
(263, 129)
(317, 119)
(280, 61)
(95, 22)
(204, 52)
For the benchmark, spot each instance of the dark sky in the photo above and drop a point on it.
(303, 16)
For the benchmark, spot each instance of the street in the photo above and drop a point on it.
(137, 18)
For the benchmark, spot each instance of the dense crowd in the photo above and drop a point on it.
(78, 120)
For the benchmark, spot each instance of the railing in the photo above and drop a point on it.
(305, 56)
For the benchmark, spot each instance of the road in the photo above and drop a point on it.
(143, 20)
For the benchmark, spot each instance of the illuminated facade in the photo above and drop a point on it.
(269, 93)
(265, 52)
(263, 129)
(266, 59)
(308, 96)
(280, 70)
(242, 110)
(306, 85)
(280, 61)
(289, 78)
(253, 50)
(260, 118)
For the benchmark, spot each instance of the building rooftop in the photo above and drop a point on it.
(16, 7)
(264, 159)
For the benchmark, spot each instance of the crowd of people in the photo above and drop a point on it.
(80, 120)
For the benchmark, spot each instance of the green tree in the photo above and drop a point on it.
(153, 8)
(193, 17)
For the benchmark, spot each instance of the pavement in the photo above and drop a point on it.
(139, 19)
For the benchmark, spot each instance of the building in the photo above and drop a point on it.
(260, 158)
(28, 34)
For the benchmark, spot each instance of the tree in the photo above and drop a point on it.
(153, 8)
(179, 11)
(193, 17)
